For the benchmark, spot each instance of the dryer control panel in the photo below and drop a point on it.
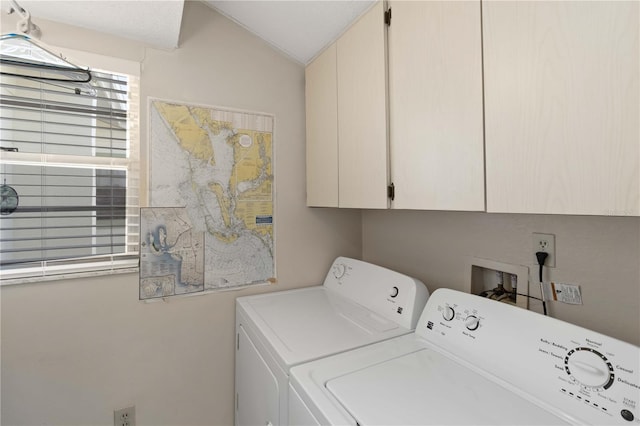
(589, 377)
(395, 296)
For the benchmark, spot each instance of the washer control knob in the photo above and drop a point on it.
(394, 291)
(472, 322)
(589, 368)
(448, 314)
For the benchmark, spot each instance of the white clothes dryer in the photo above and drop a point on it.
(357, 305)
(474, 361)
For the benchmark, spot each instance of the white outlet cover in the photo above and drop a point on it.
(550, 239)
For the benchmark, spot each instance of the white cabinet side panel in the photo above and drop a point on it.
(322, 130)
(562, 107)
(435, 101)
(362, 115)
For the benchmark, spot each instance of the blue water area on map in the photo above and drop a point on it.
(165, 262)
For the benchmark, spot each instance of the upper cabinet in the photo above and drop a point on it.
(347, 119)
(561, 107)
(435, 105)
(435, 154)
(557, 82)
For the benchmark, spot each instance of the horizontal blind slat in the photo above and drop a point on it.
(10, 109)
(13, 86)
(61, 106)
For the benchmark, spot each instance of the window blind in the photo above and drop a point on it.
(72, 157)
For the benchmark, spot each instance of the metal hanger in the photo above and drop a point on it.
(29, 60)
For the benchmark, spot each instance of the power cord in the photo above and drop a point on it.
(542, 257)
(529, 297)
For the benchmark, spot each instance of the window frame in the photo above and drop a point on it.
(127, 262)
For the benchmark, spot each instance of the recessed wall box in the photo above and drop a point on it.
(481, 277)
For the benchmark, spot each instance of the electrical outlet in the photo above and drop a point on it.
(125, 416)
(547, 244)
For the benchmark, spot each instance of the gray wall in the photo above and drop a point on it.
(75, 350)
(601, 254)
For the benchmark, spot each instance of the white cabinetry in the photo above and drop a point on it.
(435, 105)
(347, 119)
(435, 157)
(562, 107)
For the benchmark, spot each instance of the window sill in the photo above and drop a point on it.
(126, 267)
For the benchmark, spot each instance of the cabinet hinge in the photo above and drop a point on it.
(387, 17)
(391, 191)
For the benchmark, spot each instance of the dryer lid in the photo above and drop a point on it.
(307, 324)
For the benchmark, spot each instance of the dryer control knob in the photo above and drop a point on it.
(472, 322)
(448, 314)
(394, 291)
(339, 269)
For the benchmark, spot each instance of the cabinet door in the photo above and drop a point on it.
(435, 101)
(562, 107)
(322, 130)
(362, 113)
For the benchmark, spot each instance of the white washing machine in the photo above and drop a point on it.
(474, 361)
(358, 304)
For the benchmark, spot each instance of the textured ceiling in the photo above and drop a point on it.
(298, 28)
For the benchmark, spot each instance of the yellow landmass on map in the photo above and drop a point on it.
(191, 137)
(223, 200)
(225, 207)
(262, 192)
(248, 210)
(203, 115)
(248, 163)
(226, 238)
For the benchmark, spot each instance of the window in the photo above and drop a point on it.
(70, 159)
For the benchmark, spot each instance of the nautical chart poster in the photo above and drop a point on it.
(217, 163)
(171, 253)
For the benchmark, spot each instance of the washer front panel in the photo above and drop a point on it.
(591, 377)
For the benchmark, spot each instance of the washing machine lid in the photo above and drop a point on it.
(311, 323)
(428, 388)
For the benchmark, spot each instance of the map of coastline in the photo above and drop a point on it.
(171, 254)
(217, 164)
